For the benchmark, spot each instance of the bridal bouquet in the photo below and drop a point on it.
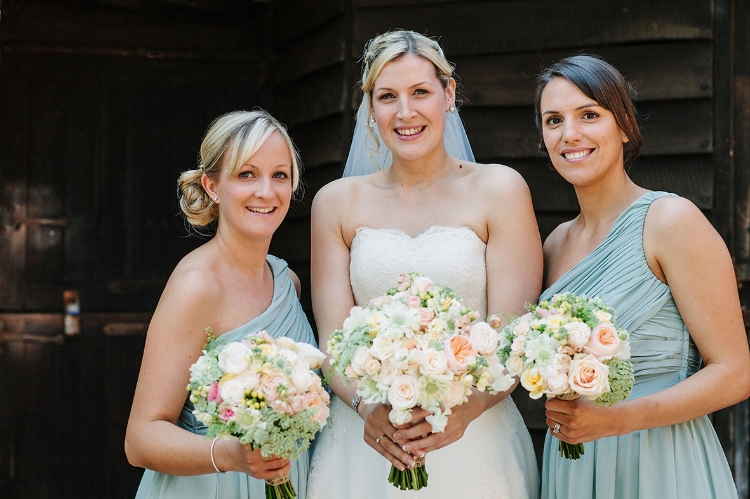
(264, 392)
(417, 345)
(569, 347)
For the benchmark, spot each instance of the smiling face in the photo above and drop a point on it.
(255, 198)
(583, 139)
(409, 103)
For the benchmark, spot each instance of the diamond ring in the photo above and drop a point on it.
(556, 429)
(377, 440)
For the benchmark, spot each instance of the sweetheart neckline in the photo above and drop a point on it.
(427, 232)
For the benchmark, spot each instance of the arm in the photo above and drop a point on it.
(332, 299)
(174, 342)
(514, 277)
(685, 251)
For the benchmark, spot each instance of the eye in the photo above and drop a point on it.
(553, 120)
(281, 175)
(420, 91)
(386, 96)
(245, 174)
(590, 115)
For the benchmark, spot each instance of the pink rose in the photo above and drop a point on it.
(589, 377)
(556, 384)
(213, 394)
(413, 302)
(543, 312)
(604, 342)
(422, 284)
(425, 316)
(227, 414)
(460, 352)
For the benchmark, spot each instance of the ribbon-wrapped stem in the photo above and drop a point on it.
(412, 478)
(280, 488)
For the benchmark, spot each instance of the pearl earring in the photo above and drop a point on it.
(452, 109)
(216, 198)
(372, 120)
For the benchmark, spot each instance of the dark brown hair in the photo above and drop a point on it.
(601, 82)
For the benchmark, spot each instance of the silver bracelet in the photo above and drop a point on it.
(355, 402)
(213, 461)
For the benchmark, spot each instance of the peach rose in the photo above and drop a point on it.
(604, 342)
(531, 379)
(588, 376)
(459, 352)
(515, 365)
(403, 393)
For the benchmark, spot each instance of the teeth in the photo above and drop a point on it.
(577, 154)
(409, 131)
(261, 210)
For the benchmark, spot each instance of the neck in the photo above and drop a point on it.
(423, 170)
(603, 202)
(242, 255)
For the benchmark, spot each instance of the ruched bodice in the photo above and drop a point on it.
(450, 256)
(678, 461)
(495, 458)
(283, 317)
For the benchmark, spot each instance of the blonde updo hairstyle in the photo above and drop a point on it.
(237, 136)
(390, 46)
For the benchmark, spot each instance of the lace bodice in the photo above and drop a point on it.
(450, 256)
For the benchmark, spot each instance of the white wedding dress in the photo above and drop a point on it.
(495, 458)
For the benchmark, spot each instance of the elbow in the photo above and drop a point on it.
(131, 455)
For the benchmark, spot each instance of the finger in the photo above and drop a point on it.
(412, 432)
(386, 448)
(272, 473)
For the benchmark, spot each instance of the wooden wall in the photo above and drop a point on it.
(680, 56)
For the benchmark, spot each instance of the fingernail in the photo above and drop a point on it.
(420, 453)
(397, 435)
(407, 448)
(400, 467)
(410, 462)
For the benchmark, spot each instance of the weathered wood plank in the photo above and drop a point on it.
(535, 25)
(689, 176)
(398, 3)
(293, 18)
(41, 27)
(668, 127)
(320, 142)
(315, 50)
(292, 241)
(312, 97)
(672, 70)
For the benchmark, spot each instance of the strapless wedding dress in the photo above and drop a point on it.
(495, 458)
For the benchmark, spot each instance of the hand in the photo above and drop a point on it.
(251, 462)
(379, 433)
(420, 438)
(581, 420)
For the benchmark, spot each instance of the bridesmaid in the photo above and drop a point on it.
(655, 258)
(243, 187)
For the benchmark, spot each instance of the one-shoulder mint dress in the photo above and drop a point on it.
(682, 461)
(284, 317)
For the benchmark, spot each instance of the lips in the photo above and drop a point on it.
(577, 154)
(407, 132)
(263, 211)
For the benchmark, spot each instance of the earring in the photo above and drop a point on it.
(372, 119)
(452, 109)
(216, 198)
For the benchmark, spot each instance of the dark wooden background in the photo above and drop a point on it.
(104, 102)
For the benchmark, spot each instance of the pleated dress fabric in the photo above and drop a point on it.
(681, 461)
(284, 317)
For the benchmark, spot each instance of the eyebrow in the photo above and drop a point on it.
(413, 86)
(590, 104)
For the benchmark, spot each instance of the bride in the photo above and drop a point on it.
(425, 207)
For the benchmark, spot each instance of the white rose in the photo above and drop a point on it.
(372, 366)
(624, 352)
(232, 391)
(312, 355)
(515, 365)
(421, 284)
(234, 358)
(286, 342)
(388, 373)
(578, 334)
(484, 337)
(399, 417)
(383, 347)
(432, 362)
(521, 329)
(556, 384)
(588, 376)
(403, 393)
(361, 356)
(603, 316)
(249, 379)
(301, 379)
(458, 393)
(517, 346)
(289, 355)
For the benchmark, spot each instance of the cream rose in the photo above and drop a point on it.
(372, 366)
(578, 333)
(521, 329)
(458, 393)
(270, 385)
(515, 365)
(588, 376)
(531, 379)
(312, 355)
(432, 363)
(232, 391)
(383, 346)
(301, 379)
(360, 358)
(234, 358)
(604, 342)
(250, 380)
(484, 337)
(403, 393)
(388, 373)
(516, 347)
(603, 316)
(286, 342)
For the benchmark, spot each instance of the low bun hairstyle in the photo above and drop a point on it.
(237, 136)
(603, 83)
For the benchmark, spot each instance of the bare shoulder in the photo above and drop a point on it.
(296, 281)
(674, 212)
(500, 179)
(553, 243)
(339, 192)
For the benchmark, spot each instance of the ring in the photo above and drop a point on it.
(377, 440)
(556, 429)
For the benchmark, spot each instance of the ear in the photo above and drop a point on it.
(450, 93)
(209, 186)
(625, 138)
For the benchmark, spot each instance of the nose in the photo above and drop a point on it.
(405, 110)
(571, 131)
(264, 187)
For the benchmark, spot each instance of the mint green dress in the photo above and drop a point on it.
(284, 317)
(682, 461)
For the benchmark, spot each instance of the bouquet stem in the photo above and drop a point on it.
(412, 478)
(280, 488)
(570, 451)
